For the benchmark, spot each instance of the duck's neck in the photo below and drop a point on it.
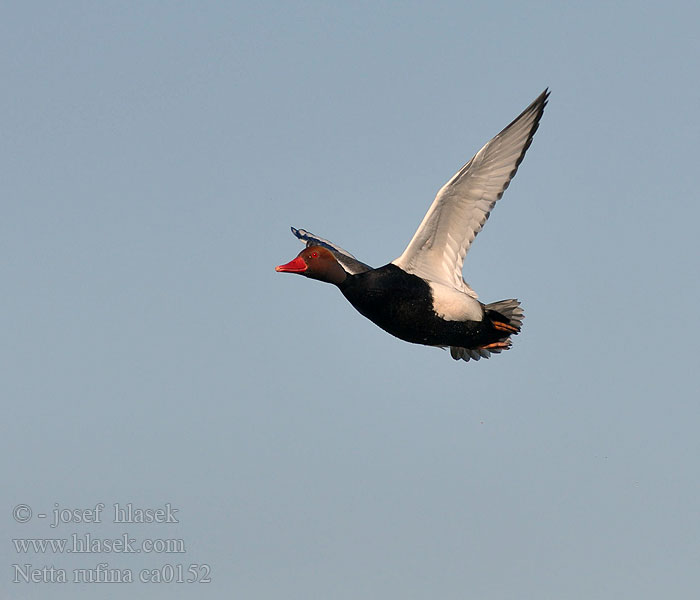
(334, 273)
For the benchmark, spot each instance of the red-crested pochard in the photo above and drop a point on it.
(421, 297)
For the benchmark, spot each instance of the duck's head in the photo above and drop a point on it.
(316, 262)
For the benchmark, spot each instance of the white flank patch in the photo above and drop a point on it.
(454, 305)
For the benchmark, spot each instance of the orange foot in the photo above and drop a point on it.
(496, 346)
(504, 327)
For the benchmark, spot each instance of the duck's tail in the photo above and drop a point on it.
(506, 311)
(506, 316)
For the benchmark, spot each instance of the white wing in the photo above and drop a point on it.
(462, 206)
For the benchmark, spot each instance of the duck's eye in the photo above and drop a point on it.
(314, 255)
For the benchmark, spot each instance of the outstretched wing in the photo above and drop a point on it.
(462, 206)
(347, 260)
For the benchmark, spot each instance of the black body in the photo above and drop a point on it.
(402, 305)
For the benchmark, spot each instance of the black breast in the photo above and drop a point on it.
(402, 305)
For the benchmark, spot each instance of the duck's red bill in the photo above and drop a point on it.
(295, 266)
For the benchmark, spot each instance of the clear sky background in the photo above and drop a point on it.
(153, 158)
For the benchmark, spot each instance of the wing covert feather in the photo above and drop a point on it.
(464, 203)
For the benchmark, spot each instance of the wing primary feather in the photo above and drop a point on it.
(464, 203)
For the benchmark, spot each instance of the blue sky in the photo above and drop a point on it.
(154, 157)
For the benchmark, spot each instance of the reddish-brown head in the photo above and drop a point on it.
(316, 262)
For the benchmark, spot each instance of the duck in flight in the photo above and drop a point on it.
(421, 297)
